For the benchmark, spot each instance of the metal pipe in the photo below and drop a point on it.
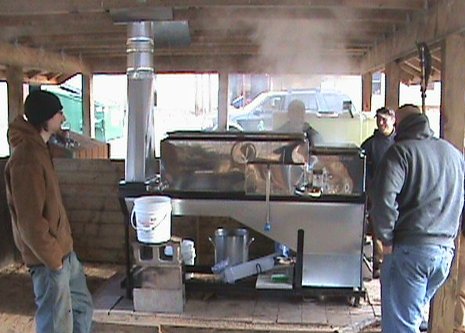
(140, 156)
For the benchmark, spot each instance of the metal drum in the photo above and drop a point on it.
(231, 244)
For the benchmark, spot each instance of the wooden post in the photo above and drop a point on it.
(367, 91)
(392, 72)
(14, 77)
(88, 116)
(223, 101)
(453, 130)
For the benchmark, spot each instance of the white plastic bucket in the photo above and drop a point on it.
(151, 218)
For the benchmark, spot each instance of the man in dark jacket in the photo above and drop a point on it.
(417, 198)
(377, 144)
(375, 147)
(41, 228)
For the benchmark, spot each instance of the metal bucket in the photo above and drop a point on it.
(231, 244)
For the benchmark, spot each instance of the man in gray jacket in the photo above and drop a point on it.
(417, 198)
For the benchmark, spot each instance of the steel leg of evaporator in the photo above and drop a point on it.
(298, 269)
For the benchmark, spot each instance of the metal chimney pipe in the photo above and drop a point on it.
(140, 157)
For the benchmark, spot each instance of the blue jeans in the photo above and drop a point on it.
(64, 304)
(410, 277)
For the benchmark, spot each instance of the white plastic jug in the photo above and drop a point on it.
(151, 218)
(188, 251)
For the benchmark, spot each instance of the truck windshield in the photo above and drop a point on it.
(334, 102)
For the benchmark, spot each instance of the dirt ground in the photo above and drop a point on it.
(17, 299)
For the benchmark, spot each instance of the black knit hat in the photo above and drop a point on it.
(40, 106)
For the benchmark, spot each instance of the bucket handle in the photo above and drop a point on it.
(134, 226)
(211, 241)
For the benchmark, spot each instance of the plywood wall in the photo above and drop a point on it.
(7, 249)
(90, 195)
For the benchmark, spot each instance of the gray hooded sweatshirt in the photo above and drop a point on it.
(418, 191)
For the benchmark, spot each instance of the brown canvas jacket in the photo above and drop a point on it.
(41, 228)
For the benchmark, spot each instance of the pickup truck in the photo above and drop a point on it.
(328, 111)
(258, 115)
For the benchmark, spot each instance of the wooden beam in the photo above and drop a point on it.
(72, 24)
(367, 91)
(88, 117)
(27, 7)
(227, 50)
(232, 64)
(408, 68)
(405, 77)
(223, 100)
(459, 315)
(453, 130)
(380, 15)
(14, 79)
(429, 26)
(288, 27)
(453, 90)
(393, 16)
(15, 28)
(392, 85)
(20, 56)
(83, 43)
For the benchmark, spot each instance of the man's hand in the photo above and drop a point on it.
(59, 268)
(387, 249)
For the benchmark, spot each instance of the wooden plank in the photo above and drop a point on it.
(92, 202)
(453, 130)
(266, 311)
(314, 313)
(109, 294)
(20, 56)
(338, 315)
(96, 254)
(392, 85)
(339, 65)
(68, 165)
(110, 177)
(14, 76)
(25, 7)
(83, 189)
(230, 310)
(366, 15)
(103, 242)
(116, 328)
(195, 307)
(364, 315)
(453, 91)
(223, 100)
(7, 247)
(96, 217)
(429, 26)
(289, 312)
(367, 91)
(88, 121)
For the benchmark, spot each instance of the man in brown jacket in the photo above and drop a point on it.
(41, 228)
